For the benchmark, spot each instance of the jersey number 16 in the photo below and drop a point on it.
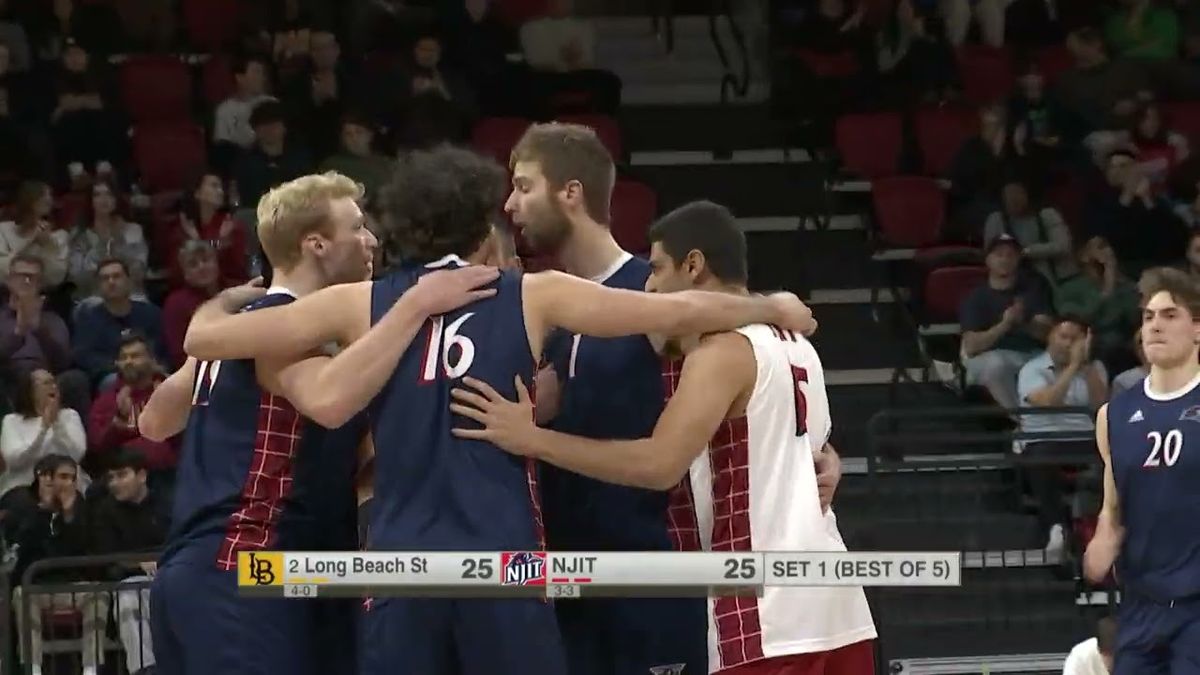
(438, 349)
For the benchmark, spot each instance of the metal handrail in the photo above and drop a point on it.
(731, 81)
(29, 588)
(662, 22)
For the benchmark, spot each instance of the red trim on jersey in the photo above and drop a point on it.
(268, 482)
(531, 476)
(681, 508)
(739, 633)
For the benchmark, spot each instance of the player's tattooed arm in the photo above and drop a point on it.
(554, 299)
(1102, 550)
(715, 376)
(166, 413)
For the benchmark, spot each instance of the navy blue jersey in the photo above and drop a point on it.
(254, 474)
(1155, 448)
(434, 491)
(611, 389)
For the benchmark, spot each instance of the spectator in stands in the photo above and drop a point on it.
(561, 50)
(1143, 30)
(477, 45)
(1094, 656)
(58, 526)
(113, 421)
(203, 217)
(1067, 374)
(1035, 120)
(15, 40)
(88, 133)
(273, 159)
(1104, 298)
(832, 27)
(357, 158)
(915, 61)
(132, 517)
(39, 427)
(1041, 231)
(201, 281)
(1043, 23)
(101, 327)
(977, 173)
(52, 25)
(1134, 376)
(150, 25)
(1142, 229)
(1158, 150)
(1088, 91)
(381, 25)
(291, 27)
(34, 338)
(321, 92)
(1004, 323)
(440, 106)
(102, 234)
(31, 233)
(231, 121)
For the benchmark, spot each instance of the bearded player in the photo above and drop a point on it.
(1151, 453)
(747, 415)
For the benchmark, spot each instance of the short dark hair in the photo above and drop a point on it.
(267, 112)
(1177, 283)
(1106, 634)
(709, 228)
(131, 337)
(241, 62)
(52, 463)
(439, 202)
(1075, 319)
(567, 152)
(28, 259)
(127, 458)
(113, 261)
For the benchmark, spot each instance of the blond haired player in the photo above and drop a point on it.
(747, 414)
(255, 473)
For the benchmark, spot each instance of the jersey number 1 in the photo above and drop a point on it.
(439, 345)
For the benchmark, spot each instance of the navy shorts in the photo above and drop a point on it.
(202, 626)
(610, 636)
(1157, 639)
(424, 636)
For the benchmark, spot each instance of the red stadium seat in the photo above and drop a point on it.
(168, 155)
(1184, 117)
(70, 208)
(516, 12)
(1054, 61)
(986, 72)
(945, 289)
(605, 127)
(909, 211)
(156, 88)
(216, 79)
(496, 136)
(634, 208)
(869, 144)
(940, 133)
(832, 66)
(212, 24)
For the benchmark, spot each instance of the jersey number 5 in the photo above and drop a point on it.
(1169, 446)
(438, 348)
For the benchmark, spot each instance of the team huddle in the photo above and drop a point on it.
(423, 379)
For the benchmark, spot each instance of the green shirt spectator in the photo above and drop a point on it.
(1142, 30)
(355, 158)
(1100, 295)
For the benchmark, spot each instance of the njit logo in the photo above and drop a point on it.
(672, 669)
(523, 568)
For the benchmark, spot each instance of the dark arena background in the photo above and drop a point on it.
(875, 152)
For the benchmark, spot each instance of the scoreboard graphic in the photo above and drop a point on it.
(554, 575)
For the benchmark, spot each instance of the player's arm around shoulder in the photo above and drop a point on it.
(166, 413)
(554, 299)
(1105, 545)
(219, 332)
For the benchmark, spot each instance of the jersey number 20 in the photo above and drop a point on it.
(438, 349)
(1165, 449)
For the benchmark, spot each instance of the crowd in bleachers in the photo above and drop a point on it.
(136, 137)
(1031, 157)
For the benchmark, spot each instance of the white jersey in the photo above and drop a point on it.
(755, 489)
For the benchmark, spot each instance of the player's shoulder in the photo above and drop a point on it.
(726, 349)
(630, 274)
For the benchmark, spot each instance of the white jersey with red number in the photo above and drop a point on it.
(755, 489)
